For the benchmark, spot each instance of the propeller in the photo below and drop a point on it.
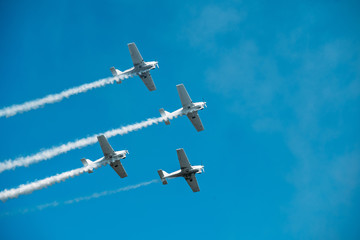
(204, 102)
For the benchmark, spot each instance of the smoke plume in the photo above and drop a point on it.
(39, 184)
(80, 143)
(79, 199)
(52, 98)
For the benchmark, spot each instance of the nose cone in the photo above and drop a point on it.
(122, 153)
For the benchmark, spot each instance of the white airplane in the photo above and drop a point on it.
(141, 68)
(189, 109)
(186, 170)
(110, 157)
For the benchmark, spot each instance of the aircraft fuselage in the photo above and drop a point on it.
(186, 172)
(140, 68)
(194, 107)
(112, 158)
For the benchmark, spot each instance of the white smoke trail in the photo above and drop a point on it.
(39, 184)
(28, 210)
(52, 98)
(106, 193)
(79, 199)
(80, 143)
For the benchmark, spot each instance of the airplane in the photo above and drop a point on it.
(141, 68)
(110, 157)
(186, 170)
(188, 108)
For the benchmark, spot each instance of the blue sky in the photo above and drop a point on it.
(281, 139)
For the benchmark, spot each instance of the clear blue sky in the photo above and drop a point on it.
(281, 139)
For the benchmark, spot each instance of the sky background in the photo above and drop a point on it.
(281, 139)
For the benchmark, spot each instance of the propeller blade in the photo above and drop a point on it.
(203, 168)
(204, 102)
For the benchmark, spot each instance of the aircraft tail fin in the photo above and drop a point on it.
(115, 72)
(162, 175)
(86, 163)
(164, 114)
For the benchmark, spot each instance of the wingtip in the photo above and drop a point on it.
(100, 136)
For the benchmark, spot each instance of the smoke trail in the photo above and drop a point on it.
(36, 185)
(79, 199)
(80, 143)
(28, 210)
(52, 98)
(106, 193)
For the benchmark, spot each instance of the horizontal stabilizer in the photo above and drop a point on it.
(162, 176)
(116, 72)
(163, 114)
(87, 162)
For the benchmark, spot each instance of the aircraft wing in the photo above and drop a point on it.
(135, 54)
(193, 183)
(119, 169)
(105, 146)
(195, 120)
(147, 79)
(183, 94)
(183, 160)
